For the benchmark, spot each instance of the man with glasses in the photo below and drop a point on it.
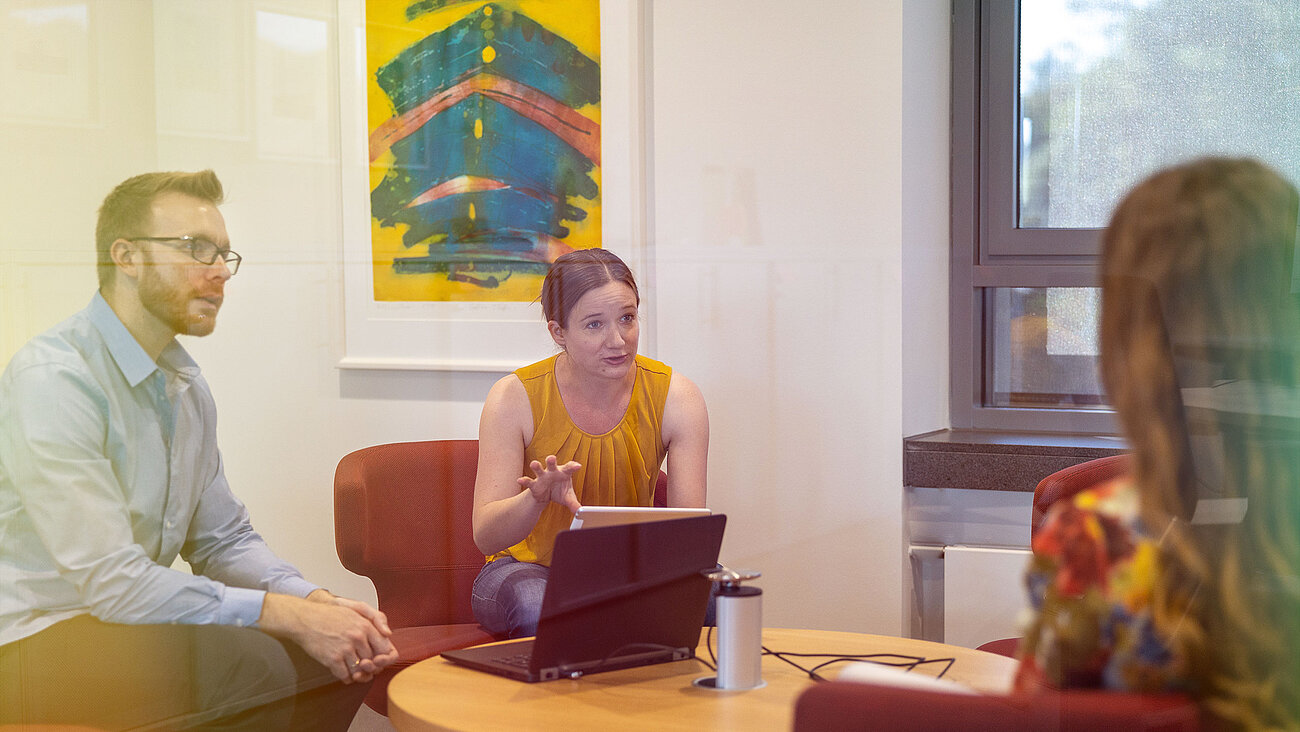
(109, 470)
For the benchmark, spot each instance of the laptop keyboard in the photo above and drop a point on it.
(520, 660)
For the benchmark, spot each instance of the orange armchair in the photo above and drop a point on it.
(402, 517)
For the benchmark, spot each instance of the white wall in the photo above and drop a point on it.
(926, 113)
(777, 212)
(781, 198)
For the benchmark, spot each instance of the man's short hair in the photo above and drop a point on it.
(125, 212)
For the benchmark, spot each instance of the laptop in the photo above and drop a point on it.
(618, 597)
(589, 517)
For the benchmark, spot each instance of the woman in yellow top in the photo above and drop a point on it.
(590, 425)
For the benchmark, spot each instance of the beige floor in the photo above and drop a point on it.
(368, 720)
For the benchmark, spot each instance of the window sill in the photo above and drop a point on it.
(994, 460)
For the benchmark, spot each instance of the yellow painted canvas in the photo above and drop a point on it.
(484, 137)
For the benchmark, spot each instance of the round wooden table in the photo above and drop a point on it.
(438, 695)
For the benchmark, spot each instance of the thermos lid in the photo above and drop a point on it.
(731, 577)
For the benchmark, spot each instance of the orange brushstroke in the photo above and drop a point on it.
(579, 132)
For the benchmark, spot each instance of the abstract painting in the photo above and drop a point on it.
(484, 144)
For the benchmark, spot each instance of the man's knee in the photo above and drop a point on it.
(254, 682)
(84, 670)
(236, 668)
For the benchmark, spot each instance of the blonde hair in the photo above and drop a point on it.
(125, 212)
(1198, 294)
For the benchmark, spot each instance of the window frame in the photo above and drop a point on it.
(988, 250)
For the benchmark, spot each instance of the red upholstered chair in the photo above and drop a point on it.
(846, 706)
(1068, 481)
(661, 491)
(1002, 646)
(402, 517)
(1062, 484)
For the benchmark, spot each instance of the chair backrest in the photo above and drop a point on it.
(1069, 481)
(842, 706)
(402, 517)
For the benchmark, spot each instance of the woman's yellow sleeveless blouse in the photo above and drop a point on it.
(619, 468)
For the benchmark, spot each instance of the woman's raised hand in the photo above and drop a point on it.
(553, 483)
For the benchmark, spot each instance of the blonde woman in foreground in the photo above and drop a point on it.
(1183, 576)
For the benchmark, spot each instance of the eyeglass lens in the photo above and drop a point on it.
(201, 250)
(205, 252)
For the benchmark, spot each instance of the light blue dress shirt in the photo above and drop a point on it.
(109, 469)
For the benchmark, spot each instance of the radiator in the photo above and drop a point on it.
(983, 593)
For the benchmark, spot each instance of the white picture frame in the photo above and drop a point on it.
(49, 70)
(215, 81)
(481, 336)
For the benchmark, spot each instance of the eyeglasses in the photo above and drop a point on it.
(202, 250)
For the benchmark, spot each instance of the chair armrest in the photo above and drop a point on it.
(350, 516)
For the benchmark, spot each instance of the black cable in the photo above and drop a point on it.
(782, 657)
(909, 663)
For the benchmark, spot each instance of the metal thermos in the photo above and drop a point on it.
(740, 632)
(740, 637)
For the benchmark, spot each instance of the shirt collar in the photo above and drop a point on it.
(127, 352)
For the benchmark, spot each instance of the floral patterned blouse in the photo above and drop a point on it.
(1090, 583)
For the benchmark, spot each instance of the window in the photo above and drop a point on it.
(1059, 106)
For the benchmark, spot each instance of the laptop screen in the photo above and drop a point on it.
(589, 517)
(617, 596)
(633, 583)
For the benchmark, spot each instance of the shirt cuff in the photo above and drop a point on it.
(296, 586)
(241, 607)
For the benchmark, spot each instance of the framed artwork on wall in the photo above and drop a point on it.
(215, 81)
(291, 109)
(49, 70)
(479, 141)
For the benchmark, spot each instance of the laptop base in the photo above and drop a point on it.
(503, 659)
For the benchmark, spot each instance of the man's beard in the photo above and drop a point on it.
(172, 307)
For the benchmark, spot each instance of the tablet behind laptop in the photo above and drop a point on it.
(618, 596)
(590, 517)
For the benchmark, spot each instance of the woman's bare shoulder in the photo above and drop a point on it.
(507, 405)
